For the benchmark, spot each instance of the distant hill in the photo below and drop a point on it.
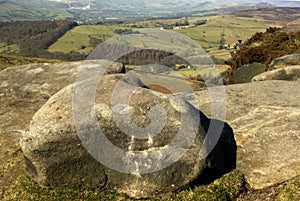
(11, 10)
(278, 3)
(32, 38)
(280, 15)
(102, 11)
(294, 3)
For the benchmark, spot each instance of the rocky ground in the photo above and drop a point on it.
(264, 116)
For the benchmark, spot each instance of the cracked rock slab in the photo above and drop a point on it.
(265, 117)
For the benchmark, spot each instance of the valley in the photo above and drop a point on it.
(218, 35)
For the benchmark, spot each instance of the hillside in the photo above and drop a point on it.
(81, 39)
(32, 38)
(21, 10)
(263, 47)
(9, 61)
(279, 15)
(65, 40)
(233, 28)
(103, 11)
(84, 38)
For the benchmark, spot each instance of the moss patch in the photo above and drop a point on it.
(291, 191)
(10, 168)
(226, 188)
(25, 188)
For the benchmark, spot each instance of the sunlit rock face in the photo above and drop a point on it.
(265, 119)
(284, 61)
(289, 73)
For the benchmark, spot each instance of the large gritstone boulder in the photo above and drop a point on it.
(123, 137)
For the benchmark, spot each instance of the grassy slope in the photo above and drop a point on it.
(8, 61)
(78, 38)
(207, 35)
(19, 12)
(13, 48)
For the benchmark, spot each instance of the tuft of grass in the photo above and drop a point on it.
(245, 73)
(228, 187)
(26, 189)
(23, 188)
(10, 167)
(291, 191)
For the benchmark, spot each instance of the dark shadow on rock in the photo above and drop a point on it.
(222, 158)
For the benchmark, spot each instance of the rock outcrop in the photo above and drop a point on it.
(284, 61)
(23, 91)
(28, 87)
(246, 73)
(265, 119)
(290, 73)
(116, 68)
(155, 151)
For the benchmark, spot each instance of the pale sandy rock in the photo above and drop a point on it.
(265, 117)
(23, 90)
(284, 61)
(290, 73)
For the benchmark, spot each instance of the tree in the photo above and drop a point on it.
(222, 41)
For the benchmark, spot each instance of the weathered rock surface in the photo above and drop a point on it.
(290, 73)
(26, 88)
(265, 117)
(284, 61)
(147, 165)
(116, 68)
(23, 90)
(246, 73)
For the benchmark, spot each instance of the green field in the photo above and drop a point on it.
(78, 39)
(234, 28)
(207, 35)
